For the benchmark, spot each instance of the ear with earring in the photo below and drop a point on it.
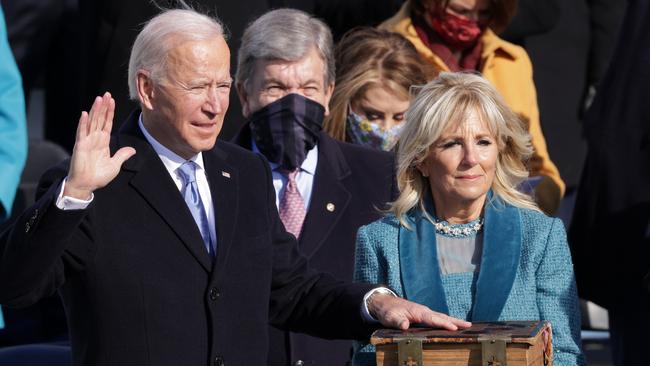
(423, 172)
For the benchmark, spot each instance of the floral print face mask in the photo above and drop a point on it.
(363, 132)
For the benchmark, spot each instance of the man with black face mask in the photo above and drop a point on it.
(325, 189)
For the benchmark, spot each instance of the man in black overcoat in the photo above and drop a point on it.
(164, 243)
(285, 92)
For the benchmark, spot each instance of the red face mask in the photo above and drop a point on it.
(456, 31)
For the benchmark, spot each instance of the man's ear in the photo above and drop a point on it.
(243, 99)
(328, 95)
(145, 88)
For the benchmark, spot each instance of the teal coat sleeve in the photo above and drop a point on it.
(366, 269)
(13, 125)
(376, 262)
(557, 297)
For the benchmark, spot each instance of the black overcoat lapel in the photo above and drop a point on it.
(330, 198)
(152, 181)
(224, 184)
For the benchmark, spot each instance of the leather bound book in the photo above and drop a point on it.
(507, 343)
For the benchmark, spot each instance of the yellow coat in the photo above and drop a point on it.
(509, 69)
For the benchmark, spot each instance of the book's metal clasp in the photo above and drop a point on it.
(409, 352)
(493, 350)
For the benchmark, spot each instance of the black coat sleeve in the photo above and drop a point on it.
(35, 250)
(303, 300)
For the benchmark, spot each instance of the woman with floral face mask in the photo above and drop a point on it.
(375, 70)
(461, 35)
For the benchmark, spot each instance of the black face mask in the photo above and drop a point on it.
(287, 129)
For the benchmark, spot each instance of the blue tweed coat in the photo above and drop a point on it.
(526, 273)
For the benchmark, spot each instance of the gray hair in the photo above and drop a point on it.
(287, 35)
(163, 33)
(441, 104)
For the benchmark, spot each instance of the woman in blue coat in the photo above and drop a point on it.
(461, 238)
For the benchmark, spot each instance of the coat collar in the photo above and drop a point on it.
(152, 181)
(421, 278)
(493, 44)
(418, 257)
(401, 23)
(243, 137)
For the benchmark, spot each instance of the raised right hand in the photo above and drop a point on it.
(91, 165)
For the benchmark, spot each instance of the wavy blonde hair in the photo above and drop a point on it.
(440, 105)
(366, 58)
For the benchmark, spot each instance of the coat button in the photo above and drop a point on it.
(214, 294)
(299, 363)
(27, 227)
(218, 361)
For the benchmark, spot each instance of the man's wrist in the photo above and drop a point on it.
(80, 194)
(70, 203)
(367, 299)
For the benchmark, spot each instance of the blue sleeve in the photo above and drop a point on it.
(557, 297)
(366, 263)
(366, 269)
(13, 127)
(13, 124)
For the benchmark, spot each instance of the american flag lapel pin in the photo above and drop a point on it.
(225, 174)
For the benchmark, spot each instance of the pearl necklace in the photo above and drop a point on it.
(458, 230)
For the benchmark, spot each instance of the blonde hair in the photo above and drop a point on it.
(366, 58)
(441, 104)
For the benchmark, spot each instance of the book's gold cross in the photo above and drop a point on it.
(410, 362)
(494, 362)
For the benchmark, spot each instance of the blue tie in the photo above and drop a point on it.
(190, 192)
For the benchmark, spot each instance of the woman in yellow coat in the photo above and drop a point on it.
(455, 35)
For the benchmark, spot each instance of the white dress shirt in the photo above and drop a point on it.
(304, 178)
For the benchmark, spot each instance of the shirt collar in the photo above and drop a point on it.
(308, 166)
(170, 159)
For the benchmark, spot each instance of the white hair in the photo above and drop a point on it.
(163, 33)
(284, 34)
